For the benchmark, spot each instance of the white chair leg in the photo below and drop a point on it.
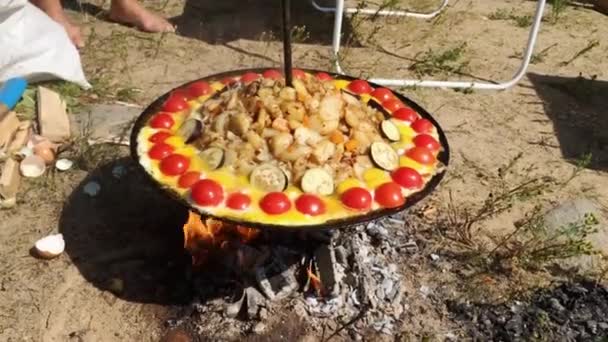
(377, 11)
(447, 84)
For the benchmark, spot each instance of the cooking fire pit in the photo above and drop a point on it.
(270, 165)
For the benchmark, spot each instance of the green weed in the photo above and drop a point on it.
(433, 62)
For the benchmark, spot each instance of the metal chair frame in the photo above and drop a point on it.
(340, 10)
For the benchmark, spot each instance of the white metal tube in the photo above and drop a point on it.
(337, 38)
(447, 84)
(375, 11)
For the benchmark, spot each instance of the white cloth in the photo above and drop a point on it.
(34, 46)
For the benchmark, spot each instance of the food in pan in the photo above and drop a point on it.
(250, 148)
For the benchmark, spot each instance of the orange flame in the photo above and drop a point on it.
(202, 238)
(315, 281)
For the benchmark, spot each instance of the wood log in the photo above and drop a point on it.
(52, 115)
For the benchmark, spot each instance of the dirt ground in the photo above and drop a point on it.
(120, 273)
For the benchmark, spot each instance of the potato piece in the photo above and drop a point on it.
(324, 150)
(269, 133)
(281, 125)
(255, 140)
(351, 117)
(220, 123)
(295, 152)
(331, 106)
(293, 110)
(239, 124)
(301, 91)
(288, 94)
(306, 136)
(280, 143)
(329, 126)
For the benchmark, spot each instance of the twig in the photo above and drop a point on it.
(349, 323)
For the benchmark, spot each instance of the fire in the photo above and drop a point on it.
(202, 238)
(315, 281)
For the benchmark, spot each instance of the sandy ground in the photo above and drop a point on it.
(552, 117)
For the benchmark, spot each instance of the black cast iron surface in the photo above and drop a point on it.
(444, 157)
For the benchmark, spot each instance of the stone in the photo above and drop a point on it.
(255, 300)
(232, 309)
(573, 212)
(259, 328)
(106, 123)
(92, 188)
(556, 305)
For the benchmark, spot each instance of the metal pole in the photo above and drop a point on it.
(286, 4)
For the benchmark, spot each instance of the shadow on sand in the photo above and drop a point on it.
(129, 231)
(579, 111)
(222, 22)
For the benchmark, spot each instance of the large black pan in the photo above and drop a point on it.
(443, 156)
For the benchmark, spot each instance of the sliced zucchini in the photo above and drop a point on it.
(191, 130)
(384, 156)
(317, 181)
(269, 178)
(390, 131)
(213, 157)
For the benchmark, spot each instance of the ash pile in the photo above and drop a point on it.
(344, 283)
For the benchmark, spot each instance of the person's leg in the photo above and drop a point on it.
(133, 13)
(54, 10)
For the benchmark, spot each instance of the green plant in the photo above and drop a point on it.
(503, 14)
(449, 60)
(533, 245)
(557, 8)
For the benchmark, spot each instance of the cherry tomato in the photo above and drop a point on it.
(238, 201)
(360, 87)
(299, 74)
(310, 205)
(382, 94)
(188, 179)
(275, 203)
(161, 120)
(207, 192)
(425, 140)
(407, 178)
(182, 93)
(249, 77)
(393, 105)
(323, 76)
(406, 114)
(160, 151)
(357, 198)
(272, 74)
(389, 195)
(421, 154)
(159, 137)
(175, 103)
(174, 165)
(199, 88)
(228, 80)
(422, 126)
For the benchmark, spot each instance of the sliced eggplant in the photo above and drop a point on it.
(213, 157)
(191, 130)
(377, 106)
(317, 181)
(390, 131)
(384, 156)
(269, 178)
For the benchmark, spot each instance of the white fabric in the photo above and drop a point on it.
(34, 46)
